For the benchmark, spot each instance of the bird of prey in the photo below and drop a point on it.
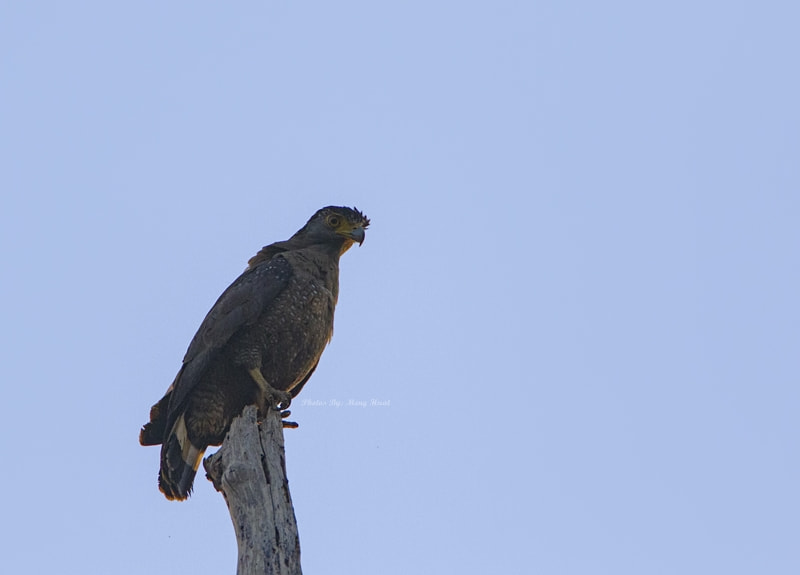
(259, 344)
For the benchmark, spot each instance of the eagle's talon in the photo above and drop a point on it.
(284, 400)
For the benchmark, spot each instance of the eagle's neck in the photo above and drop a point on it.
(322, 260)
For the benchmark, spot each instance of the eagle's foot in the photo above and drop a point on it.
(268, 396)
(288, 424)
(273, 398)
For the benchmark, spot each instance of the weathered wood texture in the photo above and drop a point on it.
(250, 471)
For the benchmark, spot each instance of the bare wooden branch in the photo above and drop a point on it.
(250, 471)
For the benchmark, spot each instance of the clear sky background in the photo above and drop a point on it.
(579, 293)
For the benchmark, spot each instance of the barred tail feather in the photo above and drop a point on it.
(179, 462)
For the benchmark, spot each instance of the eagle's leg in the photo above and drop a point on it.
(268, 396)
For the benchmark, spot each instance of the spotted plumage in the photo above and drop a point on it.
(260, 343)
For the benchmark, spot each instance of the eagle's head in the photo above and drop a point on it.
(336, 226)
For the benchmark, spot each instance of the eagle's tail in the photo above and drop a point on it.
(153, 431)
(179, 462)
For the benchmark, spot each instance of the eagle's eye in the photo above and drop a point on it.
(333, 221)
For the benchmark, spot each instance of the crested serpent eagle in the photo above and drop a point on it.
(259, 344)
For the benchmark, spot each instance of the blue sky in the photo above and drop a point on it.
(578, 295)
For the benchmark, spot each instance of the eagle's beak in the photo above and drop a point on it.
(357, 235)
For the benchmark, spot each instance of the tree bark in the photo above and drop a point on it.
(250, 471)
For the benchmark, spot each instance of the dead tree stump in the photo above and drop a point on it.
(250, 471)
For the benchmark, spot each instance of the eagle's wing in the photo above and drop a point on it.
(239, 306)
